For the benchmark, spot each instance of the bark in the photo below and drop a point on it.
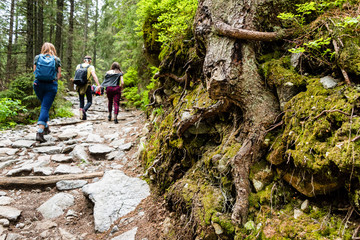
(10, 40)
(40, 25)
(71, 39)
(29, 34)
(59, 26)
(52, 20)
(231, 73)
(45, 180)
(96, 30)
(86, 27)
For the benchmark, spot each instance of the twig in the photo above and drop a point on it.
(331, 111)
(275, 126)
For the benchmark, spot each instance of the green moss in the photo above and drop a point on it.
(279, 71)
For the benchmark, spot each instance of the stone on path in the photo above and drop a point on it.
(114, 196)
(9, 213)
(8, 151)
(67, 135)
(55, 206)
(66, 169)
(80, 153)
(100, 149)
(48, 150)
(5, 200)
(94, 138)
(23, 144)
(70, 184)
(125, 147)
(62, 158)
(129, 235)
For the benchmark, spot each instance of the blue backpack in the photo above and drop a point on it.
(45, 68)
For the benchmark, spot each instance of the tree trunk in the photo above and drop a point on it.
(52, 20)
(86, 27)
(71, 38)
(10, 40)
(96, 30)
(59, 26)
(30, 35)
(230, 72)
(40, 25)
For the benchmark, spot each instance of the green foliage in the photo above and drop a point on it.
(172, 19)
(8, 110)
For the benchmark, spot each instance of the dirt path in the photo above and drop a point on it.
(68, 151)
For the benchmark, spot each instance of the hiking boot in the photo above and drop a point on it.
(109, 117)
(81, 111)
(83, 115)
(47, 130)
(40, 137)
(116, 121)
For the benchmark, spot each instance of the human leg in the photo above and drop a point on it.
(117, 96)
(88, 98)
(110, 97)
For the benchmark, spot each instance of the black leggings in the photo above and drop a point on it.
(88, 98)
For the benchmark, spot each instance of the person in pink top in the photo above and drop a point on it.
(113, 82)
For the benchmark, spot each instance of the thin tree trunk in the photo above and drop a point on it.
(30, 35)
(96, 30)
(40, 25)
(52, 20)
(86, 26)
(59, 26)
(36, 44)
(10, 40)
(71, 38)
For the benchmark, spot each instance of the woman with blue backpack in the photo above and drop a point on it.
(47, 70)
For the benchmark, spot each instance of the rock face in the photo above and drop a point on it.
(114, 196)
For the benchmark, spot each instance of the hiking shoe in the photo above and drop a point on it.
(109, 117)
(81, 111)
(40, 137)
(116, 121)
(46, 130)
(83, 115)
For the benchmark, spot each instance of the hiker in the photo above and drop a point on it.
(113, 82)
(47, 70)
(86, 88)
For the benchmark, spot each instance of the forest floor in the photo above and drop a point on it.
(146, 222)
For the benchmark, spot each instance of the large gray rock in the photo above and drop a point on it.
(66, 169)
(8, 151)
(55, 206)
(114, 196)
(80, 153)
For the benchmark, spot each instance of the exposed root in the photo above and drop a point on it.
(224, 29)
(220, 106)
(151, 104)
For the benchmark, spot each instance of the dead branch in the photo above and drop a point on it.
(330, 111)
(45, 180)
(220, 106)
(275, 126)
(224, 29)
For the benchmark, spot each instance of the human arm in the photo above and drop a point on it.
(95, 79)
(121, 82)
(58, 73)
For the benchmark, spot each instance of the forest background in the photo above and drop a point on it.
(108, 30)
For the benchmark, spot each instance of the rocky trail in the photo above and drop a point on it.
(85, 182)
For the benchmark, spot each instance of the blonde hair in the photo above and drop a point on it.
(48, 48)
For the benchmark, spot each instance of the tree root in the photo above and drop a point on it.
(224, 29)
(220, 106)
